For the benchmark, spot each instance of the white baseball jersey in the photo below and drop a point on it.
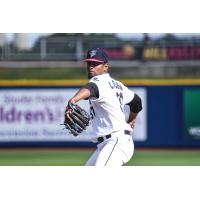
(107, 111)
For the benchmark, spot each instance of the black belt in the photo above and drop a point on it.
(127, 132)
(101, 139)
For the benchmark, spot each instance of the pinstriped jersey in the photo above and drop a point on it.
(107, 111)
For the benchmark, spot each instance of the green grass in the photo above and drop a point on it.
(166, 158)
(43, 157)
(78, 157)
(63, 73)
(43, 73)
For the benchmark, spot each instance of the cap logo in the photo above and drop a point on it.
(93, 53)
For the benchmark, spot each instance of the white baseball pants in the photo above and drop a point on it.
(114, 151)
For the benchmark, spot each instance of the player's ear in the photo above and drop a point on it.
(106, 67)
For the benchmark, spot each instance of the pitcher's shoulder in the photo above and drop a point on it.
(94, 79)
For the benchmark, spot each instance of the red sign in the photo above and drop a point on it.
(183, 53)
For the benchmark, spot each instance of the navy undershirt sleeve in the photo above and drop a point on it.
(92, 87)
(135, 104)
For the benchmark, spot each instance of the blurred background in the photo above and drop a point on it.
(147, 55)
(39, 72)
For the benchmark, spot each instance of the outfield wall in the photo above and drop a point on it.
(31, 113)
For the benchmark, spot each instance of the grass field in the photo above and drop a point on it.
(77, 157)
(42, 73)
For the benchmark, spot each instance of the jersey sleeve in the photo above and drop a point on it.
(95, 81)
(136, 104)
(128, 95)
(92, 87)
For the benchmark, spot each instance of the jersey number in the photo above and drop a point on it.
(120, 98)
(92, 112)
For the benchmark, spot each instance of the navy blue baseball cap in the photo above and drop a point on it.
(96, 55)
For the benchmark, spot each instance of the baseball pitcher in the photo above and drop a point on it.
(107, 98)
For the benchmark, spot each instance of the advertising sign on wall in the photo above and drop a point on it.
(36, 114)
(191, 103)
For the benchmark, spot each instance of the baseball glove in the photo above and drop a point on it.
(76, 119)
